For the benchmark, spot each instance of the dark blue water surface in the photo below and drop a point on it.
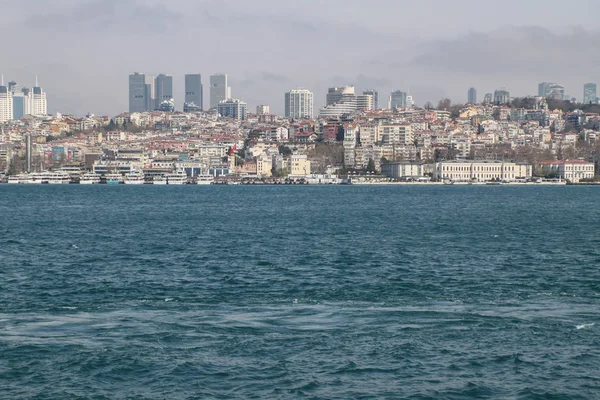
(119, 292)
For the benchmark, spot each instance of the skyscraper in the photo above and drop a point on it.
(488, 98)
(501, 97)
(37, 99)
(375, 95)
(193, 92)
(6, 104)
(589, 93)
(141, 93)
(542, 88)
(299, 104)
(472, 97)
(219, 90)
(163, 89)
(233, 108)
(365, 102)
(398, 99)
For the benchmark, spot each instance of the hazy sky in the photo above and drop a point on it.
(83, 50)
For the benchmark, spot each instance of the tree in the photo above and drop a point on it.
(284, 150)
(444, 104)
(371, 165)
(428, 105)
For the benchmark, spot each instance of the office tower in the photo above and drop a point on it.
(263, 109)
(193, 92)
(219, 90)
(409, 100)
(6, 104)
(398, 99)
(589, 93)
(488, 98)
(472, 97)
(555, 91)
(232, 108)
(375, 95)
(501, 97)
(338, 94)
(542, 87)
(20, 105)
(13, 87)
(141, 93)
(299, 104)
(364, 102)
(37, 101)
(163, 89)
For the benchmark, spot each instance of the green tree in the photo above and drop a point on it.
(371, 165)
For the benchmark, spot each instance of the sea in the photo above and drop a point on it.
(299, 292)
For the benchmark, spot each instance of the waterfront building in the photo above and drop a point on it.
(233, 108)
(572, 170)
(501, 97)
(467, 171)
(163, 90)
(375, 96)
(219, 89)
(299, 165)
(472, 96)
(193, 92)
(299, 104)
(141, 93)
(263, 109)
(6, 104)
(404, 170)
(590, 95)
(398, 99)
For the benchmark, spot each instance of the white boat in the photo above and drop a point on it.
(205, 180)
(177, 178)
(89, 179)
(36, 178)
(22, 178)
(159, 180)
(134, 178)
(56, 178)
(113, 179)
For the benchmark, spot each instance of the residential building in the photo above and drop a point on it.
(501, 96)
(472, 96)
(299, 165)
(141, 93)
(233, 108)
(375, 96)
(467, 170)
(299, 104)
(590, 95)
(398, 99)
(193, 92)
(219, 89)
(364, 102)
(163, 89)
(6, 104)
(263, 109)
(571, 170)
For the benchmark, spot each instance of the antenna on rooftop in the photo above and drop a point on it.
(2, 80)
(36, 80)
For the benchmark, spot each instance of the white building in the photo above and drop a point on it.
(572, 170)
(263, 109)
(467, 171)
(6, 104)
(365, 102)
(404, 170)
(299, 104)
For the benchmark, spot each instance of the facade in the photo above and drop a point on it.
(542, 87)
(501, 96)
(403, 170)
(299, 165)
(233, 108)
(263, 109)
(482, 171)
(365, 102)
(398, 99)
(488, 98)
(340, 94)
(590, 95)
(193, 92)
(6, 104)
(37, 101)
(219, 90)
(163, 89)
(472, 96)
(299, 104)
(340, 101)
(139, 97)
(375, 95)
(571, 170)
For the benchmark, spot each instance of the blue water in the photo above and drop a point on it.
(120, 292)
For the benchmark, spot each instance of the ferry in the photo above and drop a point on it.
(113, 179)
(159, 180)
(56, 178)
(134, 178)
(89, 179)
(36, 178)
(176, 179)
(22, 178)
(205, 180)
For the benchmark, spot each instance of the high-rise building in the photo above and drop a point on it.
(488, 98)
(219, 90)
(337, 94)
(299, 104)
(13, 87)
(6, 104)
(193, 92)
(364, 102)
(163, 89)
(590, 95)
(555, 91)
(37, 101)
(263, 109)
(141, 93)
(472, 97)
(375, 95)
(398, 99)
(232, 108)
(501, 97)
(340, 101)
(542, 88)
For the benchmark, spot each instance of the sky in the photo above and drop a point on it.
(84, 50)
